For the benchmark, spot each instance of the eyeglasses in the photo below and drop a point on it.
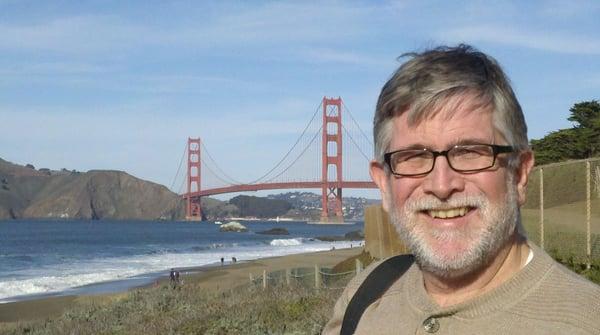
(461, 158)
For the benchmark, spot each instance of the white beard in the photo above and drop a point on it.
(483, 239)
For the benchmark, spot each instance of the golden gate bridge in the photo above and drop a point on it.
(329, 155)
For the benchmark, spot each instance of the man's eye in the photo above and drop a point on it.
(465, 152)
(412, 156)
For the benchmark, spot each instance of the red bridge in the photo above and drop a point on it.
(319, 160)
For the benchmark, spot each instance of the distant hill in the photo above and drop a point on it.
(98, 194)
(260, 207)
(308, 205)
(30, 193)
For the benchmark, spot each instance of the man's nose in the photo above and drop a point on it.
(443, 181)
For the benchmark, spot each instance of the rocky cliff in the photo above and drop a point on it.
(29, 193)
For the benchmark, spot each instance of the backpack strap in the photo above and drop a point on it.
(372, 288)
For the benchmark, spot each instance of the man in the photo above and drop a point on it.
(173, 278)
(452, 163)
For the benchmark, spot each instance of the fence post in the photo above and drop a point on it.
(542, 208)
(317, 277)
(358, 266)
(588, 214)
(264, 279)
(251, 277)
(287, 276)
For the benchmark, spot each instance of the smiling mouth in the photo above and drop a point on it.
(448, 213)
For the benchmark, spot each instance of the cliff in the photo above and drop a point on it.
(29, 193)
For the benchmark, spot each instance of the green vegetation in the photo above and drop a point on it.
(563, 184)
(213, 209)
(570, 261)
(280, 309)
(581, 141)
(350, 264)
(260, 207)
(188, 310)
(565, 236)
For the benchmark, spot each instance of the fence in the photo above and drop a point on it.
(317, 277)
(561, 215)
(381, 240)
(562, 212)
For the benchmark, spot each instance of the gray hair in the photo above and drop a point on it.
(429, 79)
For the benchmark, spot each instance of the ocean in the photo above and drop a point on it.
(40, 258)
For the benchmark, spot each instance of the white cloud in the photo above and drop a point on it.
(47, 68)
(568, 9)
(552, 41)
(325, 55)
(234, 27)
(71, 35)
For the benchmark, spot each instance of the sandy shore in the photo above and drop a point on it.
(208, 278)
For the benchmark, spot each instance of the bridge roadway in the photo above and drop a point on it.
(273, 186)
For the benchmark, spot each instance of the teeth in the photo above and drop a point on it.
(448, 213)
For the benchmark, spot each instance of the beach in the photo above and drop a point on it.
(212, 278)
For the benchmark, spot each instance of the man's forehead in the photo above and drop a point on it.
(446, 108)
(448, 126)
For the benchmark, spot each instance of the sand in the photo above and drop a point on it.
(209, 278)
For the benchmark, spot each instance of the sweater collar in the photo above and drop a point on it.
(507, 294)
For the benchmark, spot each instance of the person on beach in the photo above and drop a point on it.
(452, 162)
(173, 277)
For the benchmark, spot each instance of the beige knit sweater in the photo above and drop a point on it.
(543, 298)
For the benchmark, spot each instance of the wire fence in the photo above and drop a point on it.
(562, 212)
(316, 277)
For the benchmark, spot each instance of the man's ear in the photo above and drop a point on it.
(522, 174)
(380, 178)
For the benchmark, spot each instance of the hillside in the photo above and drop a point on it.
(260, 207)
(29, 193)
(308, 205)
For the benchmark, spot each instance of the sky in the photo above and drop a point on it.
(121, 85)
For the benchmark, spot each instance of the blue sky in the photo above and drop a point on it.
(121, 85)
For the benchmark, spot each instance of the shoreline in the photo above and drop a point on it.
(213, 277)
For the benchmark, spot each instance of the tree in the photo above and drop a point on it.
(557, 146)
(585, 114)
(581, 141)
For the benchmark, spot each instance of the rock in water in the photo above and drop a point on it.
(233, 226)
(355, 235)
(275, 231)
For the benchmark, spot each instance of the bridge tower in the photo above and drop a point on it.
(192, 210)
(331, 200)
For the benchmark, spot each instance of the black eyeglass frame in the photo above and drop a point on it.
(496, 149)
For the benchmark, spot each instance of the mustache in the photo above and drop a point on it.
(432, 202)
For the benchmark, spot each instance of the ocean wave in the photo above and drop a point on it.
(53, 278)
(287, 242)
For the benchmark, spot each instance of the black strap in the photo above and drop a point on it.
(372, 288)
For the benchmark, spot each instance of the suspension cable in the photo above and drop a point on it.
(178, 169)
(356, 123)
(300, 155)
(181, 189)
(228, 182)
(289, 151)
(231, 180)
(355, 144)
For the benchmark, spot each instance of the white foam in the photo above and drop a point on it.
(62, 277)
(287, 242)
